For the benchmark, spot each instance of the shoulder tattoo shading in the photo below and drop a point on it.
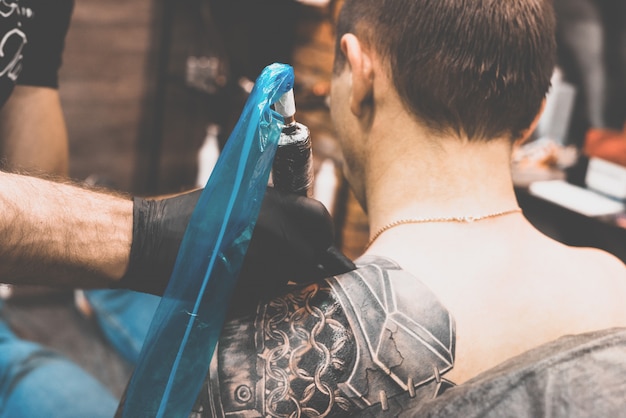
(373, 338)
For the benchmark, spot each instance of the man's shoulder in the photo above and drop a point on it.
(596, 262)
(597, 280)
(565, 260)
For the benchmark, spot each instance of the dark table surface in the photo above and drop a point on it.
(570, 227)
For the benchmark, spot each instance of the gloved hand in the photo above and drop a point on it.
(292, 241)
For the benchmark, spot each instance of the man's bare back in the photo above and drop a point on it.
(510, 288)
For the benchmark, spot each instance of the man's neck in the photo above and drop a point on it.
(412, 174)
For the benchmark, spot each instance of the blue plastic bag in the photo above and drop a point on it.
(185, 329)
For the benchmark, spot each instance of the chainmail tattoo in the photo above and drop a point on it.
(373, 340)
(307, 344)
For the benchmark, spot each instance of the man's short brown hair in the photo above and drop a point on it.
(480, 68)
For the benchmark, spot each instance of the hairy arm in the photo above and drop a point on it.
(59, 234)
(33, 136)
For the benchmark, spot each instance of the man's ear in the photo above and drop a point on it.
(528, 132)
(362, 72)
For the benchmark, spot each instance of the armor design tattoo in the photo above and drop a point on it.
(366, 338)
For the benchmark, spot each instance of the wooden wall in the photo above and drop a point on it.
(104, 84)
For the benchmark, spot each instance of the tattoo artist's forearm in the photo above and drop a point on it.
(59, 234)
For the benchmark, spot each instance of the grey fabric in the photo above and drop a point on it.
(574, 377)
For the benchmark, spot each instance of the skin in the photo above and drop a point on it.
(59, 234)
(539, 288)
(33, 136)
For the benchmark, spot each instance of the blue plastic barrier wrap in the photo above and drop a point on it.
(185, 329)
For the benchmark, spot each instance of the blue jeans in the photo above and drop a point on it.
(124, 317)
(36, 382)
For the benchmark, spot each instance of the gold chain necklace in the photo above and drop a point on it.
(460, 219)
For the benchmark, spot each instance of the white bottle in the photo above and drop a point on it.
(208, 154)
(326, 185)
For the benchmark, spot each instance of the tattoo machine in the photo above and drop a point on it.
(292, 170)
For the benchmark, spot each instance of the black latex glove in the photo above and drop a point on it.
(292, 241)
